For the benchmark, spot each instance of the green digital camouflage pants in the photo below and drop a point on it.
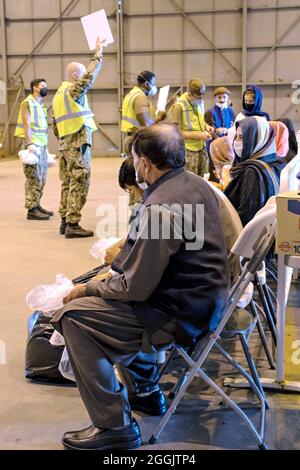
(74, 173)
(35, 180)
(196, 162)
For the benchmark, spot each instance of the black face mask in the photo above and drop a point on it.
(249, 107)
(43, 92)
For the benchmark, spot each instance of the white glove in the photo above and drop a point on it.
(33, 149)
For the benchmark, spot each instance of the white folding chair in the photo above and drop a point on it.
(253, 251)
(288, 176)
(245, 334)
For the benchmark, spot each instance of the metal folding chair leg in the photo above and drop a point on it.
(195, 370)
(270, 303)
(262, 335)
(165, 366)
(266, 308)
(252, 366)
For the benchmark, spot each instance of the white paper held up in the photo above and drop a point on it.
(96, 25)
(163, 98)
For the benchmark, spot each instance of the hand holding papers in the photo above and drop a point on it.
(96, 26)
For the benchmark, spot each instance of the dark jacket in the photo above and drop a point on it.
(193, 284)
(217, 117)
(253, 185)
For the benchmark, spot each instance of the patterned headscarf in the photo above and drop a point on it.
(282, 138)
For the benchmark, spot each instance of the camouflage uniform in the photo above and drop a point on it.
(196, 162)
(75, 154)
(35, 180)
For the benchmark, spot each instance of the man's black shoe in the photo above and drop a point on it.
(93, 438)
(63, 226)
(154, 404)
(36, 214)
(44, 211)
(75, 231)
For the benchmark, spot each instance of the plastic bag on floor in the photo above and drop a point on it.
(99, 248)
(49, 298)
(41, 358)
(65, 367)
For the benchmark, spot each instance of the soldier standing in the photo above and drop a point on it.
(188, 116)
(73, 126)
(32, 127)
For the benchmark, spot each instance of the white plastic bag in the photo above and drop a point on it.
(65, 367)
(48, 298)
(51, 159)
(66, 370)
(28, 158)
(99, 248)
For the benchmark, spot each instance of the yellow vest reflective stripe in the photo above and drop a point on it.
(69, 115)
(190, 121)
(129, 119)
(38, 122)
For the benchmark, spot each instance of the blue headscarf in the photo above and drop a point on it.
(256, 110)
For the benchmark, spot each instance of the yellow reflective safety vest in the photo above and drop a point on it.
(38, 122)
(191, 121)
(129, 119)
(69, 115)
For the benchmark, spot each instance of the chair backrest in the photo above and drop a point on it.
(288, 180)
(247, 241)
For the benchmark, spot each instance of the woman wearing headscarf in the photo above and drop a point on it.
(252, 104)
(293, 144)
(221, 154)
(282, 138)
(256, 170)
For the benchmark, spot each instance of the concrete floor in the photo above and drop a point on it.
(33, 415)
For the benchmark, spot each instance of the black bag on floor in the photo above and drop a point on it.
(42, 359)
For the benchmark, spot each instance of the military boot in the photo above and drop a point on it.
(36, 214)
(45, 211)
(75, 231)
(63, 226)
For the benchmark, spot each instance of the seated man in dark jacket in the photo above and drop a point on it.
(170, 284)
